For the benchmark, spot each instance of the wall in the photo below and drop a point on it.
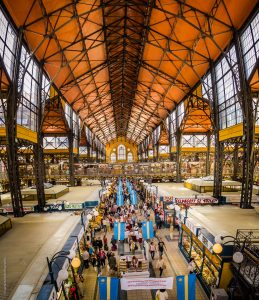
(114, 145)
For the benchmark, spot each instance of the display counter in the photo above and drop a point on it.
(127, 268)
(210, 267)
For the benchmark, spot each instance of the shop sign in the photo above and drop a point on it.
(53, 207)
(193, 227)
(9, 209)
(167, 198)
(196, 201)
(28, 208)
(74, 247)
(81, 233)
(73, 206)
(147, 283)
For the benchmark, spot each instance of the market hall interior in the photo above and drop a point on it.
(122, 115)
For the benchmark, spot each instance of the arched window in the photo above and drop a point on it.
(121, 152)
(130, 157)
(113, 157)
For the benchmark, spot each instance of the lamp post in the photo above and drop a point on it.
(63, 274)
(237, 257)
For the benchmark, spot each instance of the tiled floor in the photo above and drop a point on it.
(176, 265)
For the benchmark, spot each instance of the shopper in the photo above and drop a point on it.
(100, 243)
(112, 263)
(152, 250)
(85, 257)
(105, 243)
(161, 295)
(98, 265)
(102, 257)
(191, 266)
(161, 247)
(161, 265)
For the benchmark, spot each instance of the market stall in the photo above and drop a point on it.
(212, 270)
(133, 266)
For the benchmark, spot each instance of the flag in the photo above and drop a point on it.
(119, 201)
(133, 198)
(108, 288)
(147, 230)
(119, 231)
(186, 287)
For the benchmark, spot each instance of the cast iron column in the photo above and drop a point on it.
(11, 145)
(246, 102)
(71, 157)
(178, 155)
(235, 162)
(208, 154)
(39, 167)
(219, 146)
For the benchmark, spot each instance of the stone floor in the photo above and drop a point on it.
(176, 265)
(24, 248)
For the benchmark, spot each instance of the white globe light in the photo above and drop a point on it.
(218, 239)
(63, 274)
(71, 254)
(238, 257)
(89, 217)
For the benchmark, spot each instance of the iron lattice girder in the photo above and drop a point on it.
(124, 46)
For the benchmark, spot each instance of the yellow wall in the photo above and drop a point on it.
(121, 141)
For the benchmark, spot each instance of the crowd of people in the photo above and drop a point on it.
(99, 252)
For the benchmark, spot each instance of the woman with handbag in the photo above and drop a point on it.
(161, 265)
(161, 294)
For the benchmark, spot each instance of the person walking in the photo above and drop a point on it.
(161, 247)
(161, 294)
(102, 257)
(112, 263)
(98, 265)
(85, 257)
(152, 250)
(161, 265)
(105, 243)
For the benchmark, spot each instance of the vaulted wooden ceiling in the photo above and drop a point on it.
(123, 65)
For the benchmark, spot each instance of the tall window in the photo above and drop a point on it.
(27, 111)
(7, 43)
(113, 157)
(230, 112)
(130, 157)
(121, 152)
(250, 45)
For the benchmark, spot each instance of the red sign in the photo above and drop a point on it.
(196, 201)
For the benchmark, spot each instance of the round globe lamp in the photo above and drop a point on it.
(75, 262)
(238, 257)
(217, 248)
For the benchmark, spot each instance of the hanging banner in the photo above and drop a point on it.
(147, 230)
(120, 200)
(196, 201)
(119, 231)
(147, 283)
(133, 197)
(190, 200)
(108, 288)
(186, 287)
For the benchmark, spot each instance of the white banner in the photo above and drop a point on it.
(147, 283)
